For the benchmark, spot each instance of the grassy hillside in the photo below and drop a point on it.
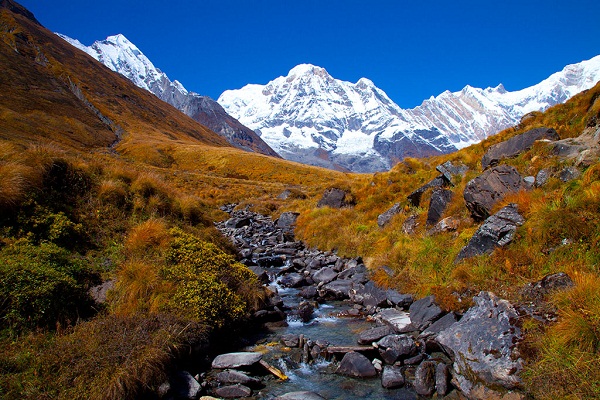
(101, 181)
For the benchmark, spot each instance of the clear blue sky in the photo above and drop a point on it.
(410, 49)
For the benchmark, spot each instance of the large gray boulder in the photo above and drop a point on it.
(392, 377)
(394, 347)
(324, 275)
(184, 386)
(516, 145)
(335, 198)
(337, 289)
(497, 231)
(424, 382)
(374, 334)
(231, 377)
(287, 220)
(483, 346)
(236, 360)
(300, 396)
(484, 191)
(414, 198)
(356, 365)
(233, 391)
(398, 320)
(424, 312)
(386, 217)
(449, 170)
(440, 198)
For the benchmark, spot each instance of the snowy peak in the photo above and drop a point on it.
(122, 56)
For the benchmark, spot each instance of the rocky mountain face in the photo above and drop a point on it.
(308, 116)
(122, 56)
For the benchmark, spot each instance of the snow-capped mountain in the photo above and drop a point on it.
(309, 116)
(122, 56)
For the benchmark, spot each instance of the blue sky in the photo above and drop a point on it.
(410, 49)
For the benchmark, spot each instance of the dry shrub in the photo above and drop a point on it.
(112, 192)
(148, 236)
(14, 184)
(190, 209)
(138, 288)
(152, 195)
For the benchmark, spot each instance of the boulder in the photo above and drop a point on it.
(305, 311)
(398, 320)
(392, 377)
(516, 145)
(483, 345)
(290, 340)
(309, 293)
(368, 295)
(484, 191)
(237, 223)
(231, 377)
(183, 385)
(440, 198)
(441, 379)
(548, 284)
(236, 360)
(324, 275)
(337, 289)
(385, 218)
(497, 231)
(449, 170)
(292, 280)
(356, 365)
(287, 221)
(569, 173)
(374, 334)
(300, 396)
(424, 312)
(394, 347)
(233, 391)
(438, 326)
(260, 272)
(424, 383)
(335, 198)
(414, 198)
(398, 299)
(542, 177)
(448, 224)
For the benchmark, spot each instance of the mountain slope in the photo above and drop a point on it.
(311, 117)
(122, 56)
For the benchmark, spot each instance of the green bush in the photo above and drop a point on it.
(41, 286)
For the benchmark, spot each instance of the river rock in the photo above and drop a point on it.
(334, 198)
(374, 334)
(356, 365)
(441, 379)
(484, 191)
(236, 360)
(497, 231)
(309, 293)
(430, 333)
(324, 275)
(292, 280)
(386, 217)
(483, 345)
(300, 396)
(369, 295)
(337, 289)
(394, 347)
(233, 391)
(397, 299)
(516, 145)
(305, 311)
(237, 223)
(287, 220)
(260, 272)
(231, 376)
(398, 320)
(183, 385)
(424, 383)
(440, 198)
(392, 377)
(290, 340)
(424, 312)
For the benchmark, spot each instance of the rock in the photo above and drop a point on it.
(231, 376)
(236, 360)
(424, 383)
(233, 391)
(410, 225)
(542, 177)
(392, 377)
(260, 272)
(448, 224)
(449, 171)
(300, 396)
(414, 198)
(569, 173)
(402, 346)
(440, 198)
(99, 292)
(438, 326)
(305, 311)
(550, 283)
(398, 299)
(484, 191)
(424, 312)
(386, 217)
(378, 364)
(497, 231)
(287, 221)
(483, 345)
(337, 289)
(356, 365)
(368, 295)
(324, 275)
(183, 385)
(399, 321)
(374, 334)
(292, 280)
(441, 379)
(309, 292)
(529, 181)
(335, 198)
(516, 145)
(290, 340)
(237, 223)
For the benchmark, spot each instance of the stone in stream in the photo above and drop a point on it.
(392, 377)
(183, 385)
(394, 347)
(290, 340)
(337, 289)
(305, 311)
(369, 295)
(424, 312)
(236, 360)
(292, 280)
(424, 383)
(324, 275)
(397, 320)
(356, 365)
(231, 376)
(309, 293)
(300, 396)
(233, 391)
(441, 379)
(374, 334)
(438, 326)
(399, 300)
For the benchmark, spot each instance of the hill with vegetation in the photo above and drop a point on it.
(104, 186)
